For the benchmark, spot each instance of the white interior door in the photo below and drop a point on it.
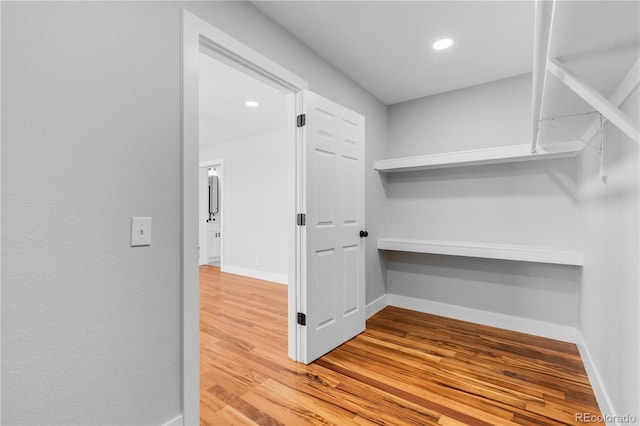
(332, 258)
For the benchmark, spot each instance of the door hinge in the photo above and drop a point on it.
(301, 120)
(301, 219)
(302, 318)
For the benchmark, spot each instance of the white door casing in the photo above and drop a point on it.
(200, 36)
(327, 326)
(332, 183)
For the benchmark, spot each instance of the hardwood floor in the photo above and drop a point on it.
(407, 368)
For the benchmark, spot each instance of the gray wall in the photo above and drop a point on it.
(609, 231)
(484, 116)
(519, 203)
(90, 131)
(91, 137)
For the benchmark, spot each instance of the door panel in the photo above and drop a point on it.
(333, 199)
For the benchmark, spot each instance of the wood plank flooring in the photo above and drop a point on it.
(407, 368)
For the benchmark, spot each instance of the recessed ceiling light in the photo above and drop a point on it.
(251, 104)
(443, 43)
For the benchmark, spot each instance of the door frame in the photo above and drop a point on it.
(202, 233)
(200, 36)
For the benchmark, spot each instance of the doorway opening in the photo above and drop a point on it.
(243, 123)
(210, 189)
(198, 36)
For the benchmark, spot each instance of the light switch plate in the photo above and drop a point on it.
(140, 231)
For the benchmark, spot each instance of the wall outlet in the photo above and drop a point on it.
(140, 231)
(257, 261)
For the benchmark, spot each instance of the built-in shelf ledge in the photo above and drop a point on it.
(476, 157)
(488, 251)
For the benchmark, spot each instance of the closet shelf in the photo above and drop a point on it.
(487, 251)
(503, 154)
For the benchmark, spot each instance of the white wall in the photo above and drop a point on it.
(91, 137)
(255, 204)
(610, 295)
(519, 203)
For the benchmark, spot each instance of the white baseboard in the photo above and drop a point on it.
(254, 273)
(509, 322)
(376, 306)
(602, 396)
(178, 421)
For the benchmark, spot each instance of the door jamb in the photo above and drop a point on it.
(198, 35)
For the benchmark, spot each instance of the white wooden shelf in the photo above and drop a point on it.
(488, 251)
(503, 154)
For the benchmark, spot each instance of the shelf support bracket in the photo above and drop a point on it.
(542, 38)
(595, 99)
(564, 132)
(622, 92)
(586, 142)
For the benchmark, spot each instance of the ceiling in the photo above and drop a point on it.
(385, 46)
(223, 114)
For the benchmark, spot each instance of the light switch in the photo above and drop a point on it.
(140, 231)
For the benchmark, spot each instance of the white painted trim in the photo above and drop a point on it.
(558, 256)
(225, 48)
(508, 322)
(595, 99)
(480, 157)
(210, 163)
(543, 29)
(177, 421)
(0, 208)
(599, 389)
(376, 306)
(197, 33)
(622, 92)
(255, 273)
(293, 329)
(192, 27)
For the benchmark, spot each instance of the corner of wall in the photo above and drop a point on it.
(491, 319)
(607, 216)
(377, 305)
(599, 390)
(256, 273)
